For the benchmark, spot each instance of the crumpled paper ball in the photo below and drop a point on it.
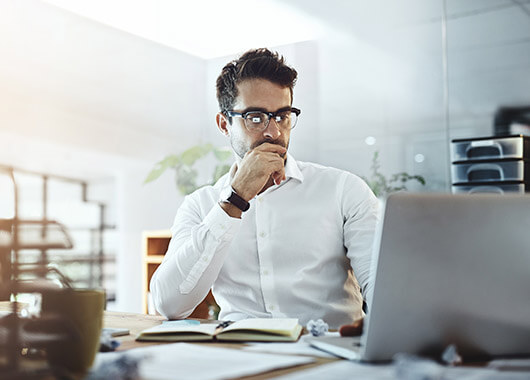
(451, 356)
(317, 328)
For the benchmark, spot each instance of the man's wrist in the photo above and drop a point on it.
(241, 193)
(238, 201)
(230, 209)
(230, 196)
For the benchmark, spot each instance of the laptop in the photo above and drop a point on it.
(448, 269)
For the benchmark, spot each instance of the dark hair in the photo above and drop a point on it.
(254, 64)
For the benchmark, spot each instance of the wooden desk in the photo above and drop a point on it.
(137, 322)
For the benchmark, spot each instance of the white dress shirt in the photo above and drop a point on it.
(290, 255)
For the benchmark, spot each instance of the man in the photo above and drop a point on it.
(274, 237)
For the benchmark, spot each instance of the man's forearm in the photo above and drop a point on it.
(195, 256)
(172, 298)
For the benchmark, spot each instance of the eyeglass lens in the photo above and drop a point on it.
(261, 120)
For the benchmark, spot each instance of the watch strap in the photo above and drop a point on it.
(237, 201)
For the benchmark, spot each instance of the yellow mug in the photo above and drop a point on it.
(82, 310)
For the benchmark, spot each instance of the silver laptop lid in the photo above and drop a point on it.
(451, 269)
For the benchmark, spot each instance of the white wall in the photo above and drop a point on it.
(83, 100)
(71, 80)
(143, 208)
(126, 102)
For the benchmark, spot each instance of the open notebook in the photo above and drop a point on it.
(254, 329)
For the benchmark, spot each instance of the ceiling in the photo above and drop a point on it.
(232, 25)
(485, 38)
(60, 55)
(227, 27)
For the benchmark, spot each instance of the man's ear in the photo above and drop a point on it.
(222, 123)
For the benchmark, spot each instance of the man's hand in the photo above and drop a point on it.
(257, 167)
(355, 329)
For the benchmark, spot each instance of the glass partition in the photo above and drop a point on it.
(488, 81)
(489, 63)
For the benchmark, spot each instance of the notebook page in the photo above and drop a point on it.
(264, 324)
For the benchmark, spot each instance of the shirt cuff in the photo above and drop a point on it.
(221, 225)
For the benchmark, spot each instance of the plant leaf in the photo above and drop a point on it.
(189, 156)
(154, 174)
(222, 153)
(186, 179)
(420, 179)
(382, 186)
(219, 171)
(170, 161)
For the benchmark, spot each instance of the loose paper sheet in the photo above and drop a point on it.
(511, 364)
(411, 370)
(343, 369)
(297, 348)
(203, 362)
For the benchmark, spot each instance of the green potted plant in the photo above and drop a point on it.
(186, 174)
(382, 186)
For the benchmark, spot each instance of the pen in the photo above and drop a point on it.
(224, 324)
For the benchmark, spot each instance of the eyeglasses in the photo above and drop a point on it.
(258, 121)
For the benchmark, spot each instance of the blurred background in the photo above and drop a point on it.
(94, 93)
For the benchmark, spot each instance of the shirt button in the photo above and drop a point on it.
(204, 258)
(265, 272)
(271, 307)
(262, 234)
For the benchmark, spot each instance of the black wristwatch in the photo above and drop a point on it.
(230, 196)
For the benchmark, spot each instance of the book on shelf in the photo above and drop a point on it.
(246, 330)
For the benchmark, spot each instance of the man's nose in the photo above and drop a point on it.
(273, 130)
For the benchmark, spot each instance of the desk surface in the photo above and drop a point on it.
(138, 322)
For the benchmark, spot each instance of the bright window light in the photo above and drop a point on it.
(204, 28)
(419, 158)
(370, 140)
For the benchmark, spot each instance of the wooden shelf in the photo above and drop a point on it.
(154, 246)
(154, 259)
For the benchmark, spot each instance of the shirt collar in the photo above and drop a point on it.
(292, 170)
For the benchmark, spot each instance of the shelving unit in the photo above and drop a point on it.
(19, 332)
(91, 263)
(154, 247)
